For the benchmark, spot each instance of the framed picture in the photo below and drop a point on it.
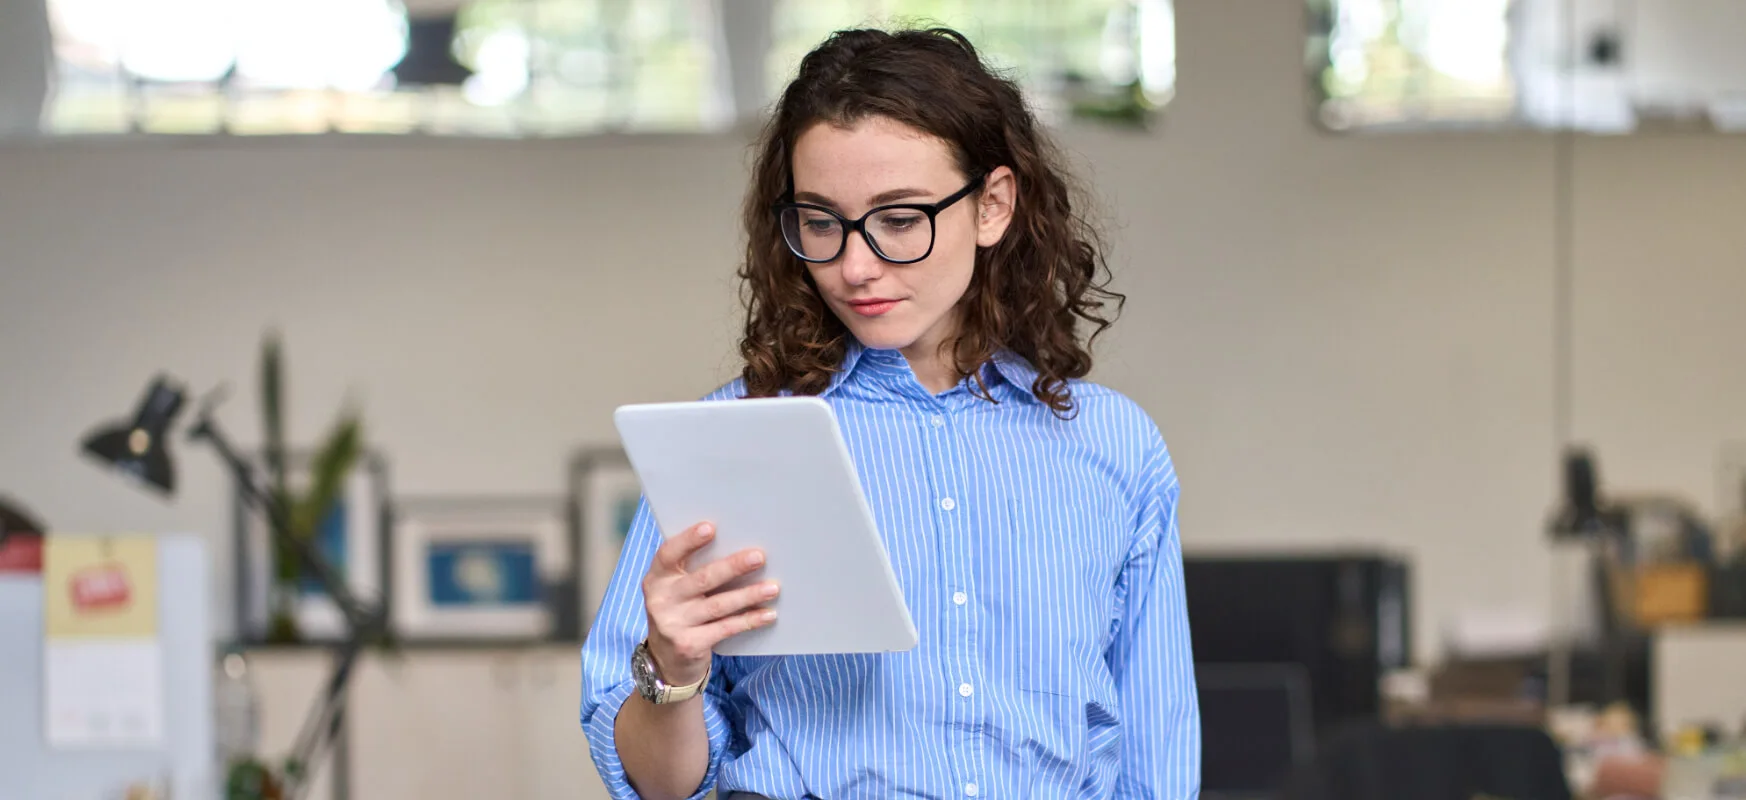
(604, 497)
(352, 538)
(479, 568)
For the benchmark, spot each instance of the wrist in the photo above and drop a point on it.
(674, 671)
(663, 687)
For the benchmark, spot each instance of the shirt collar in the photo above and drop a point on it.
(1009, 366)
(1018, 372)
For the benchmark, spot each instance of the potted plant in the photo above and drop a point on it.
(298, 514)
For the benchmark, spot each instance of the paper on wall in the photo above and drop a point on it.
(103, 670)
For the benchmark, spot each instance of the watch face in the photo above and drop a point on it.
(643, 672)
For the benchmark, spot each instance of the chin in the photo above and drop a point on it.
(878, 336)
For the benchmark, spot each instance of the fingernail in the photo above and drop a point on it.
(755, 559)
(768, 615)
(769, 590)
(706, 530)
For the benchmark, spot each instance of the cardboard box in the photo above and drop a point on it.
(1668, 593)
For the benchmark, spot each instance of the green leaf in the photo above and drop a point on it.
(273, 409)
(273, 431)
(333, 463)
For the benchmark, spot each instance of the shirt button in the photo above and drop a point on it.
(960, 598)
(970, 790)
(948, 504)
(964, 690)
(939, 421)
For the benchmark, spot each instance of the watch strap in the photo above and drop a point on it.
(660, 692)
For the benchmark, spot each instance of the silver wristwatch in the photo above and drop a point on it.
(650, 685)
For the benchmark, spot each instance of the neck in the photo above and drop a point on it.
(928, 361)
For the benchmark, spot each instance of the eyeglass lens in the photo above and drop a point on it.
(896, 234)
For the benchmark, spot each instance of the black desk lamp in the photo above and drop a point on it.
(1582, 514)
(140, 449)
(1584, 518)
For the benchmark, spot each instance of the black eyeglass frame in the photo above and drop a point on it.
(932, 210)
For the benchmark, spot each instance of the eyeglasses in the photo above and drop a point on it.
(901, 233)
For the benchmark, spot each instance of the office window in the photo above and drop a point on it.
(1597, 66)
(485, 67)
(532, 68)
(1381, 63)
(584, 66)
(1089, 59)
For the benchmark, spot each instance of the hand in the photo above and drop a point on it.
(690, 613)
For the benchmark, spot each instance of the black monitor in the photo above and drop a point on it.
(1342, 616)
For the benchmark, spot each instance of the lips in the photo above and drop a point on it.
(872, 307)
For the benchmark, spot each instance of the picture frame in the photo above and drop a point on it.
(486, 568)
(605, 496)
(480, 568)
(353, 538)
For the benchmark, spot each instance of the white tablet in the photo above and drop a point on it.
(774, 473)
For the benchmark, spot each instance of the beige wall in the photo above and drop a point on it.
(1347, 341)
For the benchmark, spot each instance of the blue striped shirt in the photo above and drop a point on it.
(1041, 564)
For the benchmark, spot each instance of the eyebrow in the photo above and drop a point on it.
(876, 200)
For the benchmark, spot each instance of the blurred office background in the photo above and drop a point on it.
(1388, 262)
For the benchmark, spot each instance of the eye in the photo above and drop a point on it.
(818, 223)
(902, 223)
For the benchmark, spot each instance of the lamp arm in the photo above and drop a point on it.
(357, 616)
(322, 723)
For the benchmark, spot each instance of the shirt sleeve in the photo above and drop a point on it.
(1151, 656)
(619, 626)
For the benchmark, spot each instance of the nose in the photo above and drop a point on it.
(860, 265)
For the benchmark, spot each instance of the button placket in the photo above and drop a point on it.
(953, 521)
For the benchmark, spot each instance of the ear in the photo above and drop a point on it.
(995, 206)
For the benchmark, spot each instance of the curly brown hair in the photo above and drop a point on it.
(1029, 294)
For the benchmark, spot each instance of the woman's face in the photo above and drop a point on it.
(876, 162)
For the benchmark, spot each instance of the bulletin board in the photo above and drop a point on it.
(182, 761)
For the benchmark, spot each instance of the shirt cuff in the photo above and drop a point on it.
(603, 745)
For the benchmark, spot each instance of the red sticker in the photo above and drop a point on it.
(100, 588)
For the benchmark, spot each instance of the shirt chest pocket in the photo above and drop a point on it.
(1061, 552)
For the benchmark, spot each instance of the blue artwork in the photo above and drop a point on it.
(481, 573)
(330, 541)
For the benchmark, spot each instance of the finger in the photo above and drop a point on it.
(717, 573)
(675, 551)
(737, 624)
(725, 604)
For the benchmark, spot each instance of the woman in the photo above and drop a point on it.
(914, 259)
